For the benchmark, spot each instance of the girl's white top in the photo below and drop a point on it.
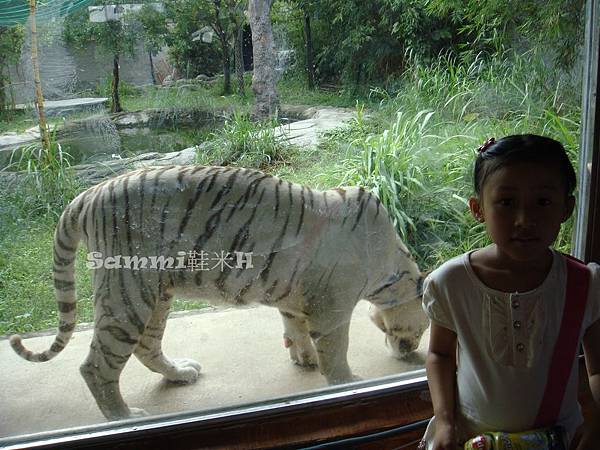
(505, 344)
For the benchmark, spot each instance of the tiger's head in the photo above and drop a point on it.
(402, 321)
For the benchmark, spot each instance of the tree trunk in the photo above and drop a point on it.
(264, 78)
(39, 97)
(310, 65)
(239, 59)
(226, 64)
(116, 102)
(3, 85)
(152, 71)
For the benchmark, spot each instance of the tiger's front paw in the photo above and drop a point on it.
(302, 355)
(342, 378)
(136, 413)
(184, 371)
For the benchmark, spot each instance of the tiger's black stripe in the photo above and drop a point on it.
(56, 347)
(302, 207)
(243, 199)
(155, 188)
(119, 334)
(112, 360)
(65, 307)
(238, 244)
(288, 289)
(252, 188)
(113, 214)
(163, 219)
(131, 310)
(63, 285)
(60, 261)
(130, 306)
(213, 178)
(390, 283)
(225, 189)
(363, 205)
(64, 247)
(142, 196)
(271, 289)
(311, 198)
(264, 274)
(238, 299)
(209, 229)
(191, 207)
(98, 198)
(241, 237)
(277, 197)
(84, 222)
(66, 328)
(127, 219)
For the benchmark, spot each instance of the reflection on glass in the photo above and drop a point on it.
(176, 199)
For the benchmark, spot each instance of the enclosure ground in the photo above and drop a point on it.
(242, 356)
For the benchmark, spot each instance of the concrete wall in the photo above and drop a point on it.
(65, 72)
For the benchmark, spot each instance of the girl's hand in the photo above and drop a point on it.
(445, 437)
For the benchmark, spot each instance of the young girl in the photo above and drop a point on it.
(496, 312)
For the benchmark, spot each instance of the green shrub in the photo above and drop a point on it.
(245, 143)
(49, 182)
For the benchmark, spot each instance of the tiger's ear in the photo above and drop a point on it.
(377, 319)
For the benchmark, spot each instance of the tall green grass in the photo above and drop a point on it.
(244, 142)
(420, 165)
(47, 180)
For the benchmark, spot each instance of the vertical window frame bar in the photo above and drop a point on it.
(586, 237)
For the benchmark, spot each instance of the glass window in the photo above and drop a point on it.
(223, 205)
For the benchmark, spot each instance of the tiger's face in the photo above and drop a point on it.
(403, 324)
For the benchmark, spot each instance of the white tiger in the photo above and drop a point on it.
(314, 255)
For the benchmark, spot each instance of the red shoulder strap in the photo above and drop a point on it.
(565, 348)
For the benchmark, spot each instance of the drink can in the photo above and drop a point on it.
(546, 439)
(481, 442)
(532, 440)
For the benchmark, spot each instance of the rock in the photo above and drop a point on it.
(12, 139)
(91, 174)
(304, 133)
(128, 119)
(70, 106)
(188, 87)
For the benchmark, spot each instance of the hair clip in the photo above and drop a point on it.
(487, 144)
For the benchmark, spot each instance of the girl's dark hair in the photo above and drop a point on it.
(522, 148)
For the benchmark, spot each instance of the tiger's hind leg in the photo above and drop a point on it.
(111, 347)
(297, 340)
(149, 351)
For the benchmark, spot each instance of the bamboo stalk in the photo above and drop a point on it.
(39, 97)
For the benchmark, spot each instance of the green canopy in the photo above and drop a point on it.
(13, 12)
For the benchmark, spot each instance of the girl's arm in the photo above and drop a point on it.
(591, 348)
(441, 377)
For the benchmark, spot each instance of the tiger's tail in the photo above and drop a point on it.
(66, 239)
